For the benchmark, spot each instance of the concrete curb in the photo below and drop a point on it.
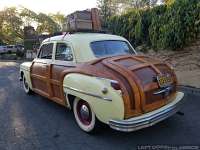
(189, 89)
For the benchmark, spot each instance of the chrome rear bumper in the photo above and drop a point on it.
(150, 118)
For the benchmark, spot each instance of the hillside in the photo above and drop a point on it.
(186, 63)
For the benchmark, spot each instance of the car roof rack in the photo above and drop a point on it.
(79, 31)
(87, 31)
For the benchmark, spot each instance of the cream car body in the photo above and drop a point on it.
(25, 71)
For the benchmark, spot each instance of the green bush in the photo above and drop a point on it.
(166, 26)
(124, 25)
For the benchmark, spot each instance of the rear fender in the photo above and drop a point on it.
(106, 105)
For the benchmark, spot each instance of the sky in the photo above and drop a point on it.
(50, 6)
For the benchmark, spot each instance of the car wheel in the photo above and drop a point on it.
(84, 115)
(26, 86)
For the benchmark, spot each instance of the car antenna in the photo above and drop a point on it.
(49, 39)
(65, 33)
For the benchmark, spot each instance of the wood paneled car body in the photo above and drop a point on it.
(101, 78)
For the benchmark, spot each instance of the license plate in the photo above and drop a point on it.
(164, 80)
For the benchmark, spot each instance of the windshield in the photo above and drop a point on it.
(111, 48)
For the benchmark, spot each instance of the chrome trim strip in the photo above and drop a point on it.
(90, 94)
(162, 91)
(149, 119)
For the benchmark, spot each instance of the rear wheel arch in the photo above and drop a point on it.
(70, 100)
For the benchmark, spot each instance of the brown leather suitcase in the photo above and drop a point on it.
(83, 20)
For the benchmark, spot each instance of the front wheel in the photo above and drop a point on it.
(26, 86)
(84, 115)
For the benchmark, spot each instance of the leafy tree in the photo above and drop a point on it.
(13, 21)
(46, 24)
(11, 30)
(28, 16)
(161, 27)
(58, 18)
(116, 7)
(168, 2)
(51, 22)
(107, 8)
(137, 3)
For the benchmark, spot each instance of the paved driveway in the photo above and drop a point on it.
(34, 123)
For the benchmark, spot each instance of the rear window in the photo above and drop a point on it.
(111, 48)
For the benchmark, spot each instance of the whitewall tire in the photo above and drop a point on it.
(84, 115)
(26, 86)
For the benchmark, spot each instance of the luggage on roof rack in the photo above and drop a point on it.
(86, 20)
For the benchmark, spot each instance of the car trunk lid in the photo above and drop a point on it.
(151, 81)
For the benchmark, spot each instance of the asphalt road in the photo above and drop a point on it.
(34, 123)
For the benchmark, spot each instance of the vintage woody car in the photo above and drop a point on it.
(102, 79)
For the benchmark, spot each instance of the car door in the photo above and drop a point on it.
(62, 60)
(40, 70)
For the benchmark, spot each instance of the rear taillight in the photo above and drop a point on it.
(115, 85)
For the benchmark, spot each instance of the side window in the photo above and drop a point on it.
(63, 52)
(46, 51)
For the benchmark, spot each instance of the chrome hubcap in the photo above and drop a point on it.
(84, 112)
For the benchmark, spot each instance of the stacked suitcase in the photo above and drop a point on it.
(87, 20)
